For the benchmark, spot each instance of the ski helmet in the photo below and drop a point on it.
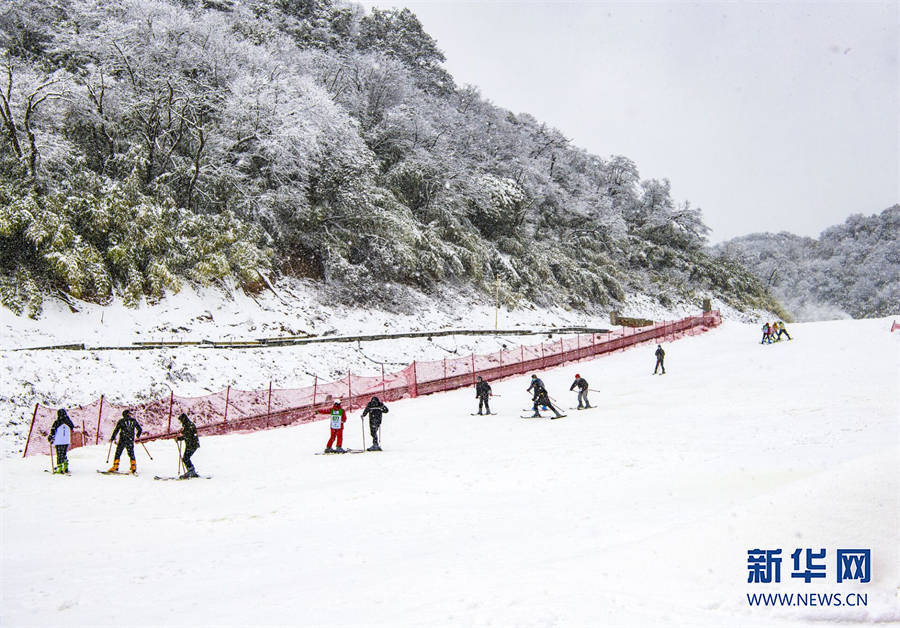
(577, 376)
(337, 402)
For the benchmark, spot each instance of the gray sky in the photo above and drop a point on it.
(768, 116)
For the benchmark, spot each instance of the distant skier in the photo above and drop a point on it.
(534, 387)
(582, 385)
(782, 330)
(61, 437)
(660, 358)
(375, 408)
(482, 393)
(191, 444)
(767, 334)
(127, 429)
(338, 418)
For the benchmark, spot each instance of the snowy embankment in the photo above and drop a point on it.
(64, 378)
(638, 513)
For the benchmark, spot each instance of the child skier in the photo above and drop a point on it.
(374, 409)
(660, 357)
(767, 334)
(582, 391)
(128, 429)
(338, 418)
(782, 330)
(191, 444)
(541, 398)
(534, 387)
(482, 392)
(61, 437)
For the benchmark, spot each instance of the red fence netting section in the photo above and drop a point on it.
(234, 410)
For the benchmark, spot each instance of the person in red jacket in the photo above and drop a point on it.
(338, 418)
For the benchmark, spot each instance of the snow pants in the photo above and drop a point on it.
(186, 458)
(582, 399)
(336, 433)
(125, 444)
(374, 426)
(659, 363)
(61, 454)
(483, 403)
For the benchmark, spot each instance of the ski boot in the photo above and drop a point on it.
(133, 466)
(339, 450)
(328, 450)
(115, 467)
(190, 473)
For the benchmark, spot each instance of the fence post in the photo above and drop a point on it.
(227, 395)
(99, 415)
(269, 405)
(542, 356)
(315, 383)
(171, 401)
(349, 391)
(383, 394)
(473, 367)
(444, 382)
(28, 440)
(414, 388)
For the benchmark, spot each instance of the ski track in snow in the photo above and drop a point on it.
(638, 513)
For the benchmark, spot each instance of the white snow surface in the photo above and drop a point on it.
(638, 513)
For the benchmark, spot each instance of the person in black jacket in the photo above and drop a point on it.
(374, 409)
(191, 444)
(660, 356)
(542, 399)
(127, 430)
(582, 391)
(482, 392)
(61, 437)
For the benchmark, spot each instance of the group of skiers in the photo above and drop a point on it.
(126, 432)
(772, 333)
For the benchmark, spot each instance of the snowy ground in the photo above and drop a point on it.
(639, 513)
(70, 378)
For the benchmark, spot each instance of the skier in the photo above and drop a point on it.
(61, 437)
(582, 391)
(191, 444)
(127, 429)
(482, 392)
(374, 409)
(660, 356)
(782, 330)
(338, 418)
(535, 386)
(541, 398)
(766, 337)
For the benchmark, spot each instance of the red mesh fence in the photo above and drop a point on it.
(233, 410)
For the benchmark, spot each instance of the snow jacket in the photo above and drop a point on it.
(375, 409)
(581, 383)
(660, 354)
(128, 429)
(61, 431)
(482, 389)
(338, 416)
(537, 385)
(189, 435)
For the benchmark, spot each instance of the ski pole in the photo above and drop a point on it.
(52, 466)
(145, 449)
(180, 462)
(109, 451)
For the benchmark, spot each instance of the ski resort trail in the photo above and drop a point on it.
(640, 512)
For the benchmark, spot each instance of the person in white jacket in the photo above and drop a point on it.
(61, 437)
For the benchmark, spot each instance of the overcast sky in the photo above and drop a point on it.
(769, 116)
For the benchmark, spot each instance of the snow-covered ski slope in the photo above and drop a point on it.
(638, 513)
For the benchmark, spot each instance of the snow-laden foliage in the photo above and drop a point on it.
(333, 135)
(852, 268)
